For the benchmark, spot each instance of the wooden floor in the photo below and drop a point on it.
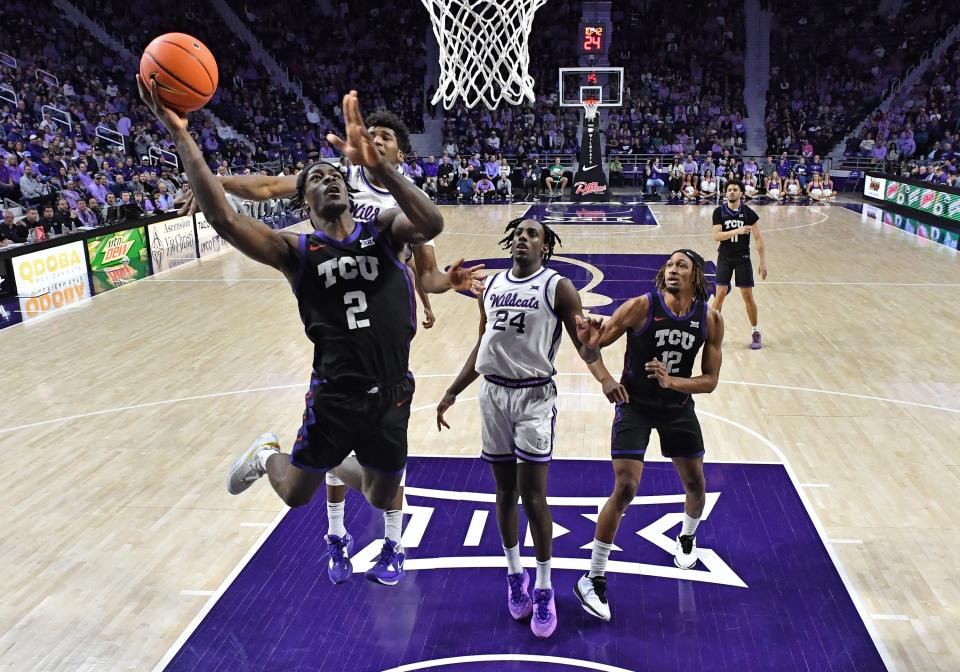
(122, 416)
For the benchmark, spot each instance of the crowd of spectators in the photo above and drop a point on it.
(269, 120)
(683, 71)
(813, 102)
(376, 50)
(918, 135)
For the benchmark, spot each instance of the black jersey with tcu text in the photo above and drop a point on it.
(737, 247)
(357, 306)
(673, 339)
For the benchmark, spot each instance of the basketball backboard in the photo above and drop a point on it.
(599, 83)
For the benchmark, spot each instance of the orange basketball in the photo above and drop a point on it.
(185, 70)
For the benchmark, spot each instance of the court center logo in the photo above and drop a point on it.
(448, 529)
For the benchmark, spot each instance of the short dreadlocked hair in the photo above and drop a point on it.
(701, 290)
(298, 201)
(550, 238)
(389, 120)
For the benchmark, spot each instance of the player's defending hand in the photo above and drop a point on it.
(359, 146)
(615, 392)
(466, 279)
(429, 319)
(445, 403)
(588, 331)
(174, 121)
(657, 369)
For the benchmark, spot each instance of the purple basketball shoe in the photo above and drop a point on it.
(544, 620)
(518, 599)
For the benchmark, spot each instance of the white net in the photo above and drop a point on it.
(591, 106)
(484, 53)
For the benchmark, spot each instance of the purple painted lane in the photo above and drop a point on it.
(765, 596)
(624, 275)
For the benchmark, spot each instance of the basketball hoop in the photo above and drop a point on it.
(591, 106)
(484, 52)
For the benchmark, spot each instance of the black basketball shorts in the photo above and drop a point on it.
(742, 267)
(679, 431)
(373, 424)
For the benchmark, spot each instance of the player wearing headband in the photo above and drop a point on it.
(665, 330)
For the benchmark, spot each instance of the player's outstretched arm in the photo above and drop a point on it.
(418, 219)
(467, 374)
(433, 281)
(630, 315)
(252, 237)
(585, 335)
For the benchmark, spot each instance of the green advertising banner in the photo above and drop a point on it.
(936, 203)
(118, 258)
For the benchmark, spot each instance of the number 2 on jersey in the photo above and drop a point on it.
(360, 299)
(516, 321)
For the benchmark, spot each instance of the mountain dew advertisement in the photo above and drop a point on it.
(936, 203)
(118, 258)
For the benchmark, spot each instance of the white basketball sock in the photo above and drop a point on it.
(333, 480)
(335, 519)
(543, 576)
(756, 329)
(263, 455)
(513, 559)
(393, 525)
(598, 558)
(689, 525)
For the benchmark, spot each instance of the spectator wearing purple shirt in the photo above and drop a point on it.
(783, 166)
(690, 166)
(491, 168)
(98, 189)
(8, 188)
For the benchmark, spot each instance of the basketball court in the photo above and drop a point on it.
(828, 539)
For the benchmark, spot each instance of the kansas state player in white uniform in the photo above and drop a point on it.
(368, 197)
(521, 314)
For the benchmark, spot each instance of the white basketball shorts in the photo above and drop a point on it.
(517, 422)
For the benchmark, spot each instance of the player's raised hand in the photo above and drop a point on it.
(657, 369)
(174, 121)
(445, 403)
(588, 331)
(466, 279)
(359, 146)
(186, 203)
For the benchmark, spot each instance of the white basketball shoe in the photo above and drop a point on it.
(247, 467)
(685, 552)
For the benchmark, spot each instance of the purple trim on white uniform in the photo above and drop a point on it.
(546, 289)
(488, 457)
(525, 280)
(524, 456)
(515, 383)
(363, 178)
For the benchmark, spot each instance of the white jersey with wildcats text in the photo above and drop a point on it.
(367, 200)
(522, 333)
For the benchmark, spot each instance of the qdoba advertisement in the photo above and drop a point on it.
(51, 279)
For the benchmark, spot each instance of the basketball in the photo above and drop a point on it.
(185, 70)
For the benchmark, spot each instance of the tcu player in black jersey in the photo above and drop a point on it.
(367, 198)
(356, 301)
(665, 330)
(734, 223)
